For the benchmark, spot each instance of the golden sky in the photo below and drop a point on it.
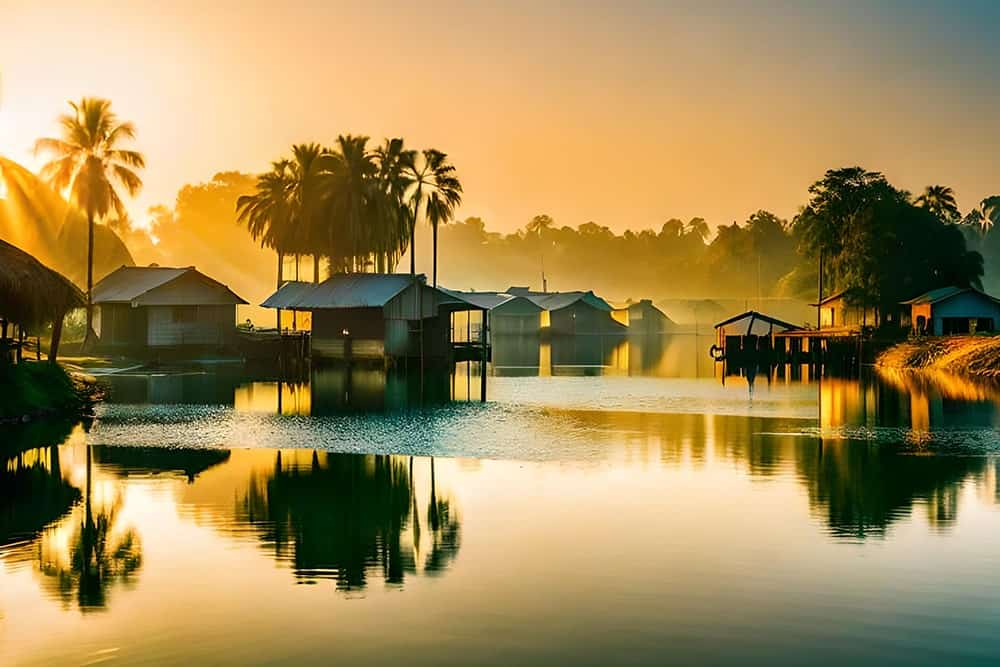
(622, 113)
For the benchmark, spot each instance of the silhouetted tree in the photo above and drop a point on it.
(88, 164)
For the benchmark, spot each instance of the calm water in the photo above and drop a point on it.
(613, 502)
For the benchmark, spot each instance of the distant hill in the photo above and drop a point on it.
(36, 219)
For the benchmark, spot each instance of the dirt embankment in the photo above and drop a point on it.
(964, 355)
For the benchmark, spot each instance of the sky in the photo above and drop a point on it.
(624, 113)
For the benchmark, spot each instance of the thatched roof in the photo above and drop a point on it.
(30, 292)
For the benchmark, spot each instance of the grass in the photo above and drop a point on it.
(34, 389)
(963, 355)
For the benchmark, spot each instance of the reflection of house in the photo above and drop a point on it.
(572, 312)
(642, 317)
(374, 315)
(509, 314)
(154, 307)
(844, 310)
(954, 310)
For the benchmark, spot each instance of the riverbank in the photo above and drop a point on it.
(962, 355)
(35, 390)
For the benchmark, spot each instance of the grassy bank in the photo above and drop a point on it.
(963, 355)
(32, 390)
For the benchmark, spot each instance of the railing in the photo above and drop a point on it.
(13, 350)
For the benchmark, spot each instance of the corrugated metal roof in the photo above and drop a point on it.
(558, 300)
(485, 300)
(128, 282)
(491, 300)
(345, 290)
(160, 285)
(756, 323)
(940, 294)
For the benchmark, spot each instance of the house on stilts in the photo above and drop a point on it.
(154, 310)
(387, 319)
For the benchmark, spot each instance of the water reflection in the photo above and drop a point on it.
(675, 355)
(861, 489)
(83, 558)
(77, 544)
(345, 517)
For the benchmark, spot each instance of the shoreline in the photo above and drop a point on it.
(973, 356)
(40, 391)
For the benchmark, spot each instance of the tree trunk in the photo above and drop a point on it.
(57, 325)
(435, 270)
(281, 274)
(90, 337)
(413, 250)
(315, 268)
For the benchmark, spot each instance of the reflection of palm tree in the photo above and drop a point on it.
(445, 530)
(99, 555)
(338, 518)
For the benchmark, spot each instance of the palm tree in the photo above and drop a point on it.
(351, 188)
(88, 165)
(986, 215)
(436, 191)
(394, 217)
(309, 171)
(267, 213)
(940, 201)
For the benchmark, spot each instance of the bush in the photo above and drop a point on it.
(32, 388)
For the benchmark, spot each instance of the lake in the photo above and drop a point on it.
(613, 501)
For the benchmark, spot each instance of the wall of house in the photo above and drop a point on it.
(581, 318)
(365, 338)
(120, 325)
(517, 317)
(967, 306)
(171, 326)
(838, 313)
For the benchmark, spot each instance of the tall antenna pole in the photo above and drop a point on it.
(819, 298)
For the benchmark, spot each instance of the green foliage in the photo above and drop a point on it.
(878, 244)
(36, 388)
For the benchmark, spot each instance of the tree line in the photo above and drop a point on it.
(356, 206)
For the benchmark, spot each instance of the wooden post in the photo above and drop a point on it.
(482, 368)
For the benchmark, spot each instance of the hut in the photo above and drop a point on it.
(572, 313)
(844, 311)
(375, 316)
(643, 318)
(748, 336)
(510, 315)
(31, 296)
(953, 310)
(155, 308)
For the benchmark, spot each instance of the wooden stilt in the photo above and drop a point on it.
(482, 366)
